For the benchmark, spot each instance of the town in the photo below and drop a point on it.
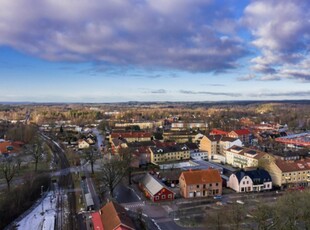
(182, 165)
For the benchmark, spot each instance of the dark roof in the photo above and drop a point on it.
(141, 144)
(216, 138)
(258, 176)
(191, 146)
(230, 139)
(169, 149)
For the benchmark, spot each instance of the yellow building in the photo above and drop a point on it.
(242, 157)
(169, 153)
(289, 173)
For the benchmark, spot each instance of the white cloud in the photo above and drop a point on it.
(281, 31)
(176, 34)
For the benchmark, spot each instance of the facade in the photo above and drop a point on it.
(289, 173)
(155, 190)
(242, 134)
(141, 124)
(132, 136)
(169, 153)
(242, 157)
(195, 125)
(200, 183)
(250, 181)
(179, 136)
(210, 144)
(82, 144)
(227, 142)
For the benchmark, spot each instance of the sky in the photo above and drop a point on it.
(154, 50)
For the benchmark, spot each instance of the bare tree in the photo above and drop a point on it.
(113, 171)
(8, 170)
(37, 153)
(90, 155)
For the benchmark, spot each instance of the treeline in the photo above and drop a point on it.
(21, 198)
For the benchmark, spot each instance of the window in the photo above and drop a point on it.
(163, 197)
(210, 185)
(247, 182)
(197, 185)
(169, 196)
(243, 182)
(217, 184)
(156, 198)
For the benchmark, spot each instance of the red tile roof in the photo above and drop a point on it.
(96, 219)
(115, 216)
(202, 176)
(291, 166)
(218, 132)
(242, 131)
(4, 147)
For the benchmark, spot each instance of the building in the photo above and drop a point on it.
(288, 173)
(193, 125)
(132, 136)
(173, 152)
(227, 142)
(82, 144)
(217, 144)
(200, 183)
(117, 144)
(114, 217)
(142, 124)
(180, 136)
(209, 144)
(242, 134)
(250, 181)
(155, 190)
(196, 154)
(242, 157)
(296, 140)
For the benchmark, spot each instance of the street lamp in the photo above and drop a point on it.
(42, 198)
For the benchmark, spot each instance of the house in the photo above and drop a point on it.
(194, 125)
(172, 152)
(289, 173)
(113, 217)
(155, 190)
(200, 183)
(117, 144)
(196, 154)
(82, 144)
(250, 181)
(242, 157)
(242, 134)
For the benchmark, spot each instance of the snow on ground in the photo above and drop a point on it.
(37, 219)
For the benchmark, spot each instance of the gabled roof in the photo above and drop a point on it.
(96, 219)
(258, 176)
(291, 166)
(242, 131)
(228, 139)
(216, 138)
(202, 176)
(169, 149)
(218, 132)
(152, 185)
(114, 215)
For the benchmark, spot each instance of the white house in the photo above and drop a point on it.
(228, 142)
(250, 181)
(83, 144)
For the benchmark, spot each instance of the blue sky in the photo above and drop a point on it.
(154, 50)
